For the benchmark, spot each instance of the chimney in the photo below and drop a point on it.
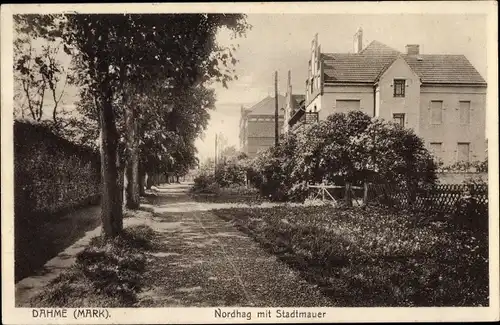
(413, 49)
(358, 40)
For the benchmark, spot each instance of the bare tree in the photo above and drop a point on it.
(39, 74)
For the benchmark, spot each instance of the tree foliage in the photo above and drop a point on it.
(144, 81)
(343, 148)
(148, 73)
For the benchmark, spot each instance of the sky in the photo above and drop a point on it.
(282, 42)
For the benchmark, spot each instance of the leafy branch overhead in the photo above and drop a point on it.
(144, 81)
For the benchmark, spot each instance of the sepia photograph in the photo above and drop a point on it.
(263, 164)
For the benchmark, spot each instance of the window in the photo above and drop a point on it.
(436, 112)
(347, 105)
(463, 152)
(464, 112)
(436, 149)
(399, 87)
(312, 85)
(399, 118)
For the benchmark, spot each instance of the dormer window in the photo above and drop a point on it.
(399, 87)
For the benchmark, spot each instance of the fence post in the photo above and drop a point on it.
(365, 194)
(348, 198)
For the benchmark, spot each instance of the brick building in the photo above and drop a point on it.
(257, 125)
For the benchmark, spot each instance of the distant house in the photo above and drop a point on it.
(441, 97)
(257, 126)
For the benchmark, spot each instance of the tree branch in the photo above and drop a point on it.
(30, 105)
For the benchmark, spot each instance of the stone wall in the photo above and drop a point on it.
(51, 174)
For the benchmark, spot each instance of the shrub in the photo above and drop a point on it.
(240, 190)
(230, 173)
(205, 184)
(472, 208)
(343, 148)
(465, 166)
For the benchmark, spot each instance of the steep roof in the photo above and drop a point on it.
(371, 62)
(378, 48)
(343, 67)
(267, 106)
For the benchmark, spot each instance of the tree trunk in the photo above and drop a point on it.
(111, 208)
(149, 181)
(348, 196)
(132, 166)
(142, 182)
(124, 184)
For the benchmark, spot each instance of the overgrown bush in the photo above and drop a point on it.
(343, 148)
(465, 166)
(205, 184)
(472, 208)
(230, 173)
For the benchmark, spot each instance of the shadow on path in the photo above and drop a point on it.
(42, 239)
(204, 261)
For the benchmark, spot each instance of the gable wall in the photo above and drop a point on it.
(409, 104)
(328, 101)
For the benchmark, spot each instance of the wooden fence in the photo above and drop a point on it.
(434, 199)
(332, 192)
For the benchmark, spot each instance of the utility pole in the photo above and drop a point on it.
(215, 157)
(276, 115)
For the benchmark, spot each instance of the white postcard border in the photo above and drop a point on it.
(12, 315)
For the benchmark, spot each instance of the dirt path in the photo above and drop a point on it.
(202, 261)
(205, 261)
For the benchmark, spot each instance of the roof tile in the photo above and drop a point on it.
(267, 106)
(376, 57)
(444, 68)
